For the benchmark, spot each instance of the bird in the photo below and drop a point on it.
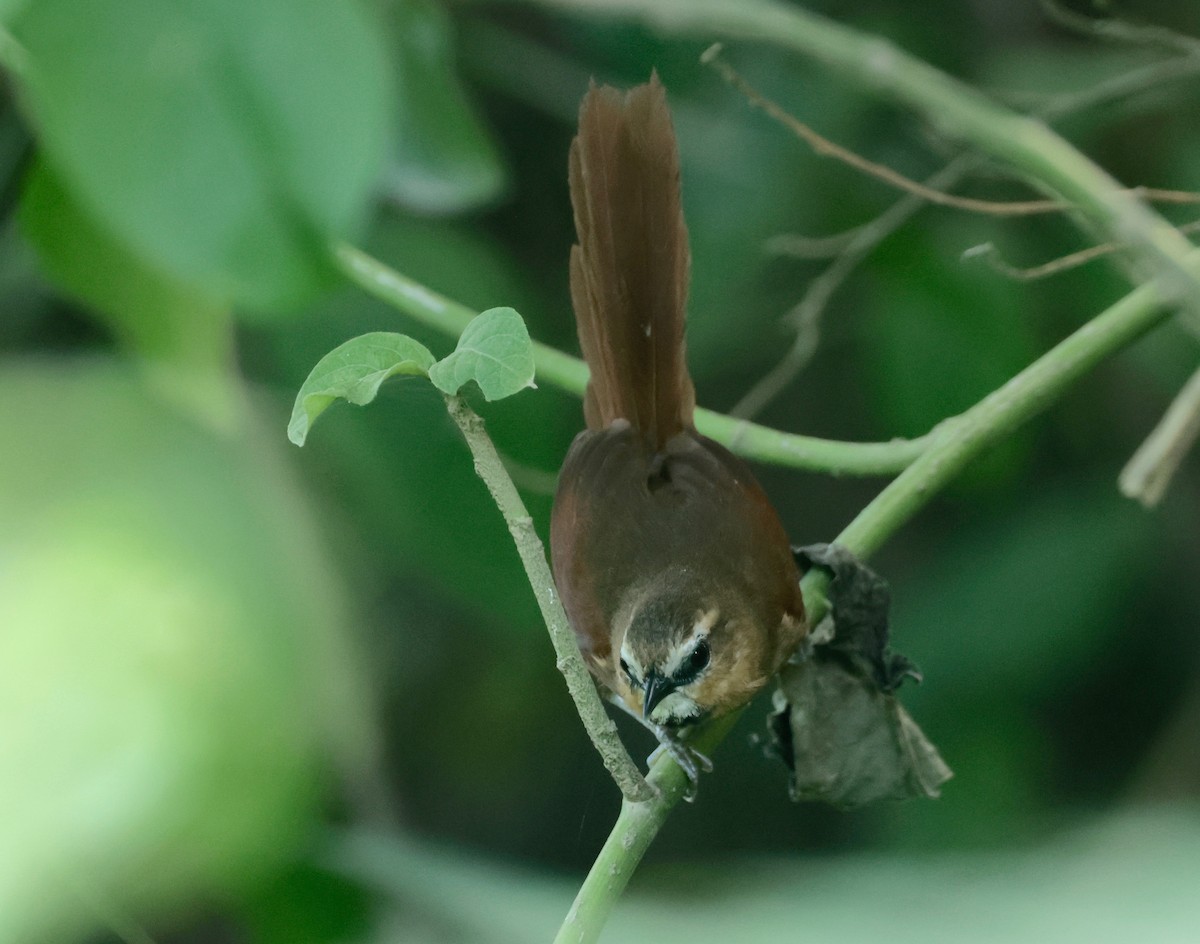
(673, 567)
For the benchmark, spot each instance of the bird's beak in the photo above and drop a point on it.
(657, 688)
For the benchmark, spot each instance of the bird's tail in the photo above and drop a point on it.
(629, 272)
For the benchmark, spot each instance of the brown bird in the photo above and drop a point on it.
(672, 565)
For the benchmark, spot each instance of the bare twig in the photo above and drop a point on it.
(1119, 31)
(1053, 108)
(826, 148)
(991, 255)
(799, 246)
(1152, 467)
(805, 316)
(851, 247)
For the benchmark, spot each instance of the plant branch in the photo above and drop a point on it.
(1118, 31)
(599, 725)
(1051, 109)
(955, 443)
(760, 443)
(991, 255)
(823, 147)
(805, 315)
(956, 109)
(1152, 467)
(850, 248)
(635, 829)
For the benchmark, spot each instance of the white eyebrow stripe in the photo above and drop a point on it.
(704, 623)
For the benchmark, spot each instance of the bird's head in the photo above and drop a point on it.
(682, 656)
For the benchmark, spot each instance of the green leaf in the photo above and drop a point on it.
(226, 142)
(353, 371)
(494, 351)
(152, 311)
(179, 332)
(10, 8)
(443, 160)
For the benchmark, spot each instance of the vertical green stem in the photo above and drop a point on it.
(599, 725)
(636, 827)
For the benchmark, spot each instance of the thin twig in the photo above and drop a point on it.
(1119, 31)
(1073, 260)
(851, 247)
(599, 725)
(1056, 107)
(1149, 473)
(989, 254)
(799, 246)
(826, 148)
(806, 314)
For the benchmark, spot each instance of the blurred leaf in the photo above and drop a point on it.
(443, 160)
(145, 304)
(182, 334)
(495, 351)
(465, 898)
(354, 371)
(10, 8)
(227, 142)
(172, 666)
(1129, 877)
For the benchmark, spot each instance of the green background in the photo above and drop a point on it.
(253, 693)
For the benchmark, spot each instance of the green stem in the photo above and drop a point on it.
(958, 441)
(760, 443)
(955, 443)
(636, 827)
(1149, 472)
(956, 109)
(599, 725)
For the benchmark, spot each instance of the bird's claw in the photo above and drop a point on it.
(690, 760)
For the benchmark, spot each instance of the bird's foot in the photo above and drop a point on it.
(690, 760)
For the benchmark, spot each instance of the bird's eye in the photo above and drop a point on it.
(625, 668)
(699, 657)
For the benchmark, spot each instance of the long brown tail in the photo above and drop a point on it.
(629, 273)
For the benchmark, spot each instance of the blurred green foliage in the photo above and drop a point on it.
(216, 652)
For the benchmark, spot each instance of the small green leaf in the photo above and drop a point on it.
(494, 351)
(353, 371)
